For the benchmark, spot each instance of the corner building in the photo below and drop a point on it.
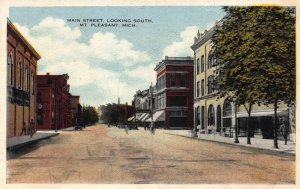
(174, 93)
(217, 115)
(21, 82)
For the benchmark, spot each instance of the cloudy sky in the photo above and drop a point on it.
(104, 62)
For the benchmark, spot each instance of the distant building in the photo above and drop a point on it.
(141, 103)
(76, 110)
(217, 115)
(53, 102)
(21, 82)
(174, 93)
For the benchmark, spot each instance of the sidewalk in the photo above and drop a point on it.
(19, 141)
(69, 129)
(266, 144)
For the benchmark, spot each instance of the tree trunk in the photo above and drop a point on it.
(248, 124)
(275, 124)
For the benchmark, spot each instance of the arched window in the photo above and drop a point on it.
(227, 113)
(211, 115)
(20, 72)
(10, 69)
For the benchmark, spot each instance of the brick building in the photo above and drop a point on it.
(174, 93)
(76, 110)
(21, 86)
(53, 102)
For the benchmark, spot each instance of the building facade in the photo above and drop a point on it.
(174, 93)
(76, 110)
(53, 102)
(220, 115)
(141, 103)
(21, 82)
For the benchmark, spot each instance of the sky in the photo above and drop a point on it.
(106, 62)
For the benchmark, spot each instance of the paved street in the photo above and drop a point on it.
(98, 154)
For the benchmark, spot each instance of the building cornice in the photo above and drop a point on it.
(16, 31)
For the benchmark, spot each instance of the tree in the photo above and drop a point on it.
(275, 51)
(89, 115)
(256, 50)
(235, 75)
(112, 113)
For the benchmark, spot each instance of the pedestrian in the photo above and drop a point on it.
(126, 129)
(23, 129)
(285, 130)
(31, 128)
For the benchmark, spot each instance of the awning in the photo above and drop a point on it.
(157, 116)
(263, 113)
(145, 117)
(141, 117)
(130, 119)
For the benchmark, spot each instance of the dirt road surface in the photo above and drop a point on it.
(99, 154)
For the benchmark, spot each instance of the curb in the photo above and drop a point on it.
(234, 144)
(30, 142)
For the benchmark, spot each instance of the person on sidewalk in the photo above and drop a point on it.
(31, 128)
(285, 130)
(23, 129)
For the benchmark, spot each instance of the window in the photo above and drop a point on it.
(178, 101)
(173, 79)
(32, 82)
(211, 60)
(9, 63)
(202, 63)
(178, 113)
(210, 84)
(183, 78)
(211, 115)
(198, 88)
(20, 75)
(202, 117)
(198, 66)
(202, 87)
(26, 83)
(198, 115)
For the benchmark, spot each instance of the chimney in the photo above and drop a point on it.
(119, 100)
(48, 73)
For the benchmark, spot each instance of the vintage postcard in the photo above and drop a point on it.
(149, 94)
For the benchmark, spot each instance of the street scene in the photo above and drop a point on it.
(100, 154)
(151, 95)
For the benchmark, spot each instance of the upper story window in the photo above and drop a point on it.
(161, 82)
(211, 84)
(172, 79)
(183, 79)
(20, 71)
(26, 83)
(198, 65)
(10, 69)
(202, 87)
(178, 101)
(211, 60)
(32, 82)
(198, 89)
(202, 63)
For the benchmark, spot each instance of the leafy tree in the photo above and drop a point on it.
(255, 47)
(112, 113)
(89, 115)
